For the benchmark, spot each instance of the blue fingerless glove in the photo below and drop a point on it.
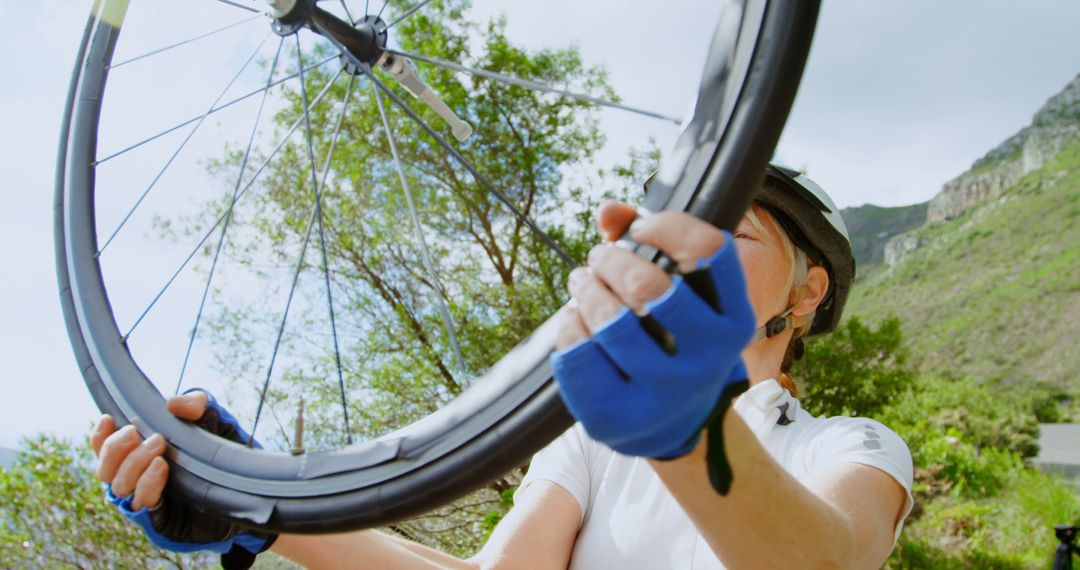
(177, 526)
(205, 538)
(642, 399)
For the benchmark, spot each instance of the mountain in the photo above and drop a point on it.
(989, 285)
(871, 227)
(1054, 126)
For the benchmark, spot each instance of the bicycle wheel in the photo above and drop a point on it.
(507, 406)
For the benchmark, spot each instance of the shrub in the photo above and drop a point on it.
(55, 516)
(979, 415)
(955, 465)
(1012, 530)
(855, 371)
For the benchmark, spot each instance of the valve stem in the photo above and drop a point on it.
(298, 434)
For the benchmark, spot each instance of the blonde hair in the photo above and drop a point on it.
(797, 278)
(800, 263)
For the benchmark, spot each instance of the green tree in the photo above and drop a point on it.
(856, 370)
(54, 515)
(500, 281)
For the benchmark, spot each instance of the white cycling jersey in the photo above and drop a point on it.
(630, 521)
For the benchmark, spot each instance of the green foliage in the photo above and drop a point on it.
(961, 467)
(976, 504)
(988, 303)
(855, 371)
(498, 279)
(492, 518)
(982, 416)
(1013, 529)
(965, 439)
(54, 515)
(1051, 403)
(992, 294)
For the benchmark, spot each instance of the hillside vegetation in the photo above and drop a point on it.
(995, 293)
(962, 337)
(985, 309)
(976, 503)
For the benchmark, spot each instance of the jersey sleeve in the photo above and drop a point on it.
(564, 462)
(867, 442)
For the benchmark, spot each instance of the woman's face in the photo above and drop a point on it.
(765, 264)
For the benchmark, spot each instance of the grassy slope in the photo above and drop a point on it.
(995, 293)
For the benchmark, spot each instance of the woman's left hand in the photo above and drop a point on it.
(629, 392)
(616, 278)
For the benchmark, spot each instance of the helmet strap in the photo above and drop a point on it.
(779, 324)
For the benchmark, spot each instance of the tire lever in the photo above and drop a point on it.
(660, 335)
(700, 281)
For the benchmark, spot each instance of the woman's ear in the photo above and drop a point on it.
(817, 285)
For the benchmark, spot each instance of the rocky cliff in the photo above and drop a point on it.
(1054, 125)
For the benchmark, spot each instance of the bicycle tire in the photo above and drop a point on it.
(496, 425)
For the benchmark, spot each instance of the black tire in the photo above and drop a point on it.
(747, 90)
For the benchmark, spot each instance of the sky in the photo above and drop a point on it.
(898, 98)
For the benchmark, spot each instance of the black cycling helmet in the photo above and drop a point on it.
(812, 221)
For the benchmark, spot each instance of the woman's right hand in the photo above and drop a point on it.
(131, 465)
(136, 475)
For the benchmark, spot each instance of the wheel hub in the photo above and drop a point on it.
(370, 27)
(361, 42)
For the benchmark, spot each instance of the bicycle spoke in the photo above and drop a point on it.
(228, 218)
(347, 15)
(319, 216)
(184, 42)
(281, 427)
(221, 218)
(242, 6)
(214, 110)
(502, 197)
(384, 5)
(292, 289)
(429, 266)
(284, 319)
(408, 13)
(180, 148)
(529, 84)
(366, 4)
